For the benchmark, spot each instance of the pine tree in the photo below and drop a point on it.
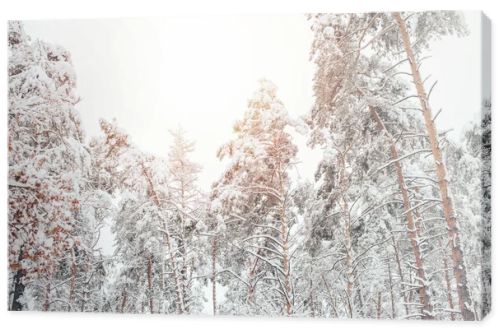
(48, 165)
(253, 197)
(186, 201)
(356, 97)
(459, 268)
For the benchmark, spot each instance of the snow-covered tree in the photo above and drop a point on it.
(48, 164)
(186, 202)
(253, 197)
(424, 27)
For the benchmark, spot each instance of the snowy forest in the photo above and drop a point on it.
(394, 225)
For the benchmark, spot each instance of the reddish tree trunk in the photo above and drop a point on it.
(459, 270)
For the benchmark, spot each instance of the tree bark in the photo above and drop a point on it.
(459, 269)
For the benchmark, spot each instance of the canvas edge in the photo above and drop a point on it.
(486, 155)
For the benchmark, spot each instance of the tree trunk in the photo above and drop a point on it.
(46, 303)
(185, 280)
(284, 233)
(73, 279)
(18, 285)
(391, 289)
(349, 271)
(214, 275)
(410, 222)
(344, 206)
(400, 272)
(286, 262)
(154, 197)
(312, 303)
(179, 300)
(150, 282)
(445, 262)
(124, 301)
(183, 272)
(459, 269)
(379, 304)
(447, 280)
(252, 284)
(332, 298)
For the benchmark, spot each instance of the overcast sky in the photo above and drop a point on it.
(156, 74)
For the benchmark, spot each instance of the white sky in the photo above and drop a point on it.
(156, 74)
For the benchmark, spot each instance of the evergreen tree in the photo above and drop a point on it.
(254, 199)
(48, 165)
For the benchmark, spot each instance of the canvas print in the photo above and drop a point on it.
(320, 165)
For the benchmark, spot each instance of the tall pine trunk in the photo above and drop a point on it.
(410, 222)
(459, 269)
(447, 280)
